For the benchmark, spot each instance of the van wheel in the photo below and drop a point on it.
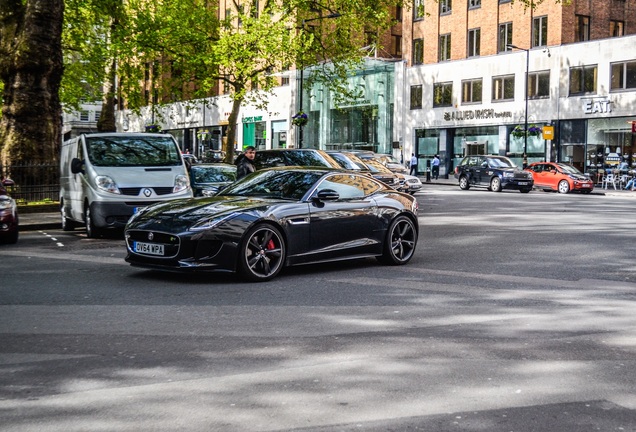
(67, 224)
(91, 230)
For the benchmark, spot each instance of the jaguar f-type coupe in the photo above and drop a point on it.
(275, 218)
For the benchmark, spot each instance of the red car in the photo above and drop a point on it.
(561, 177)
(8, 215)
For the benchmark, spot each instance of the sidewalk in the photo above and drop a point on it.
(50, 218)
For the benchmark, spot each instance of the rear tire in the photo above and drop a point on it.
(262, 253)
(495, 184)
(463, 183)
(400, 242)
(67, 224)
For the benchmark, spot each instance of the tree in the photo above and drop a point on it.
(31, 71)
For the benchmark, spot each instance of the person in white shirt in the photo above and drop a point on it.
(435, 164)
(413, 165)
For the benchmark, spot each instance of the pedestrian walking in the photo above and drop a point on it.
(413, 165)
(245, 162)
(435, 172)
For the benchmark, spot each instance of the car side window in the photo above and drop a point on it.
(268, 160)
(348, 186)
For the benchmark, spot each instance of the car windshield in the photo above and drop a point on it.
(213, 174)
(500, 163)
(133, 150)
(274, 184)
(376, 167)
(569, 169)
(311, 158)
(349, 162)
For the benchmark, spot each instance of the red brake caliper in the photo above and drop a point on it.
(270, 245)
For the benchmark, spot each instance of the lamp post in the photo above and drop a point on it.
(525, 142)
(302, 68)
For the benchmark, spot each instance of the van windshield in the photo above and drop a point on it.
(125, 151)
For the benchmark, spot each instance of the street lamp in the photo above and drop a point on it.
(525, 142)
(302, 67)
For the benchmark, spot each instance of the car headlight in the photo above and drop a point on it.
(508, 174)
(180, 183)
(5, 202)
(206, 224)
(107, 184)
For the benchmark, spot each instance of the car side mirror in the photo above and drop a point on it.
(328, 195)
(76, 166)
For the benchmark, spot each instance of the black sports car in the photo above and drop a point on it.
(274, 218)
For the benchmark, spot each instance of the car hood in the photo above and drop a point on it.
(179, 215)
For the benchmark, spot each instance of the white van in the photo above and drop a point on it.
(106, 177)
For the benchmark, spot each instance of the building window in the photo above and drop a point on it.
(471, 91)
(445, 47)
(582, 28)
(539, 85)
(418, 10)
(623, 75)
(98, 114)
(473, 42)
(398, 13)
(473, 4)
(583, 79)
(505, 37)
(617, 28)
(84, 116)
(445, 7)
(416, 97)
(418, 51)
(396, 45)
(284, 80)
(503, 88)
(540, 31)
(443, 94)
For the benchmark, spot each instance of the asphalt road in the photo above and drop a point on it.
(516, 314)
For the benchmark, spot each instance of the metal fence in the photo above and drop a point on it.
(33, 182)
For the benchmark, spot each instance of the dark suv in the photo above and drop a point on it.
(293, 157)
(494, 172)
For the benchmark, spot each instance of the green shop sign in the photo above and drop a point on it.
(252, 119)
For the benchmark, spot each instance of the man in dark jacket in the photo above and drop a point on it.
(245, 162)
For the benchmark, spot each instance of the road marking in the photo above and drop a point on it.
(65, 256)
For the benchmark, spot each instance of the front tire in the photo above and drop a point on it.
(91, 230)
(495, 184)
(564, 187)
(463, 183)
(400, 242)
(262, 253)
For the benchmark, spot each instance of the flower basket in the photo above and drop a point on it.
(153, 128)
(300, 119)
(520, 132)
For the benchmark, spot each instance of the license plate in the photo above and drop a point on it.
(523, 183)
(148, 248)
(585, 185)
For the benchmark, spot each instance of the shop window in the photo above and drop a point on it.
(617, 28)
(445, 47)
(474, 37)
(540, 31)
(623, 75)
(472, 91)
(503, 88)
(418, 51)
(583, 80)
(505, 37)
(539, 85)
(582, 28)
(443, 94)
(416, 97)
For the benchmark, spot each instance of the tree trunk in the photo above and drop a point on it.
(106, 122)
(31, 69)
(228, 146)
